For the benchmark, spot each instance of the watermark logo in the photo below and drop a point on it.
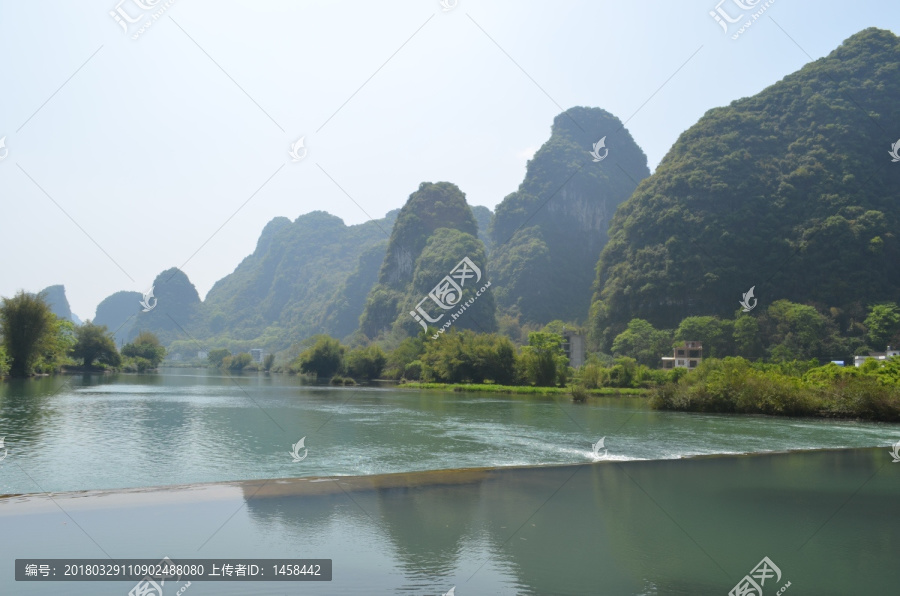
(726, 20)
(895, 452)
(753, 582)
(148, 295)
(596, 447)
(5, 451)
(296, 450)
(142, 15)
(601, 144)
(451, 591)
(746, 300)
(447, 294)
(149, 587)
(445, 6)
(4, 151)
(298, 151)
(893, 152)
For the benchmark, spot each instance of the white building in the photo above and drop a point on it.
(890, 353)
(573, 346)
(687, 355)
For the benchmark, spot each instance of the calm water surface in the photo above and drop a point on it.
(187, 426)
(620, 526)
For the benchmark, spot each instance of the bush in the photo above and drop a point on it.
(592, 375)
(466, 356)
(145, 348)
(238, 361)
(324, 358)
(413, 370)
(736, 385)
(544, 362)
(579, 393)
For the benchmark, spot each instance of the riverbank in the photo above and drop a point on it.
(737, 386)
(522, 389)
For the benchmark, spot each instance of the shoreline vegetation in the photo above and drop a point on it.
(791, 382)
(522, 389)
(738, 386)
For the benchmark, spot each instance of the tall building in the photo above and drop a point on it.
(573, 346)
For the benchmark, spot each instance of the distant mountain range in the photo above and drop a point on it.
(59, 304)
(789, 191)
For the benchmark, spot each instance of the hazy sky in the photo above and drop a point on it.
(126, 157)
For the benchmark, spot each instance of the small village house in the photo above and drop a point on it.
(687, 355)
(890, 353)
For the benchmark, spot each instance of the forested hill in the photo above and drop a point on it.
(434, 231)
(791, 191)
(119, 313)
(547, 236)
(286, 290)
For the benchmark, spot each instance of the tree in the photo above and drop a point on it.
(216, 357)
(717, 336)
(146, 347)
(466, 356)
(56, 350)
(324, 358)
(239, 361)
(4, 362)
(365, 363)
(883, 323)
(746, 337)
(643, 343)
(95, 342)
(797, 332)
(29, 328)
(268, 362)
(543, 358)
(409, 350)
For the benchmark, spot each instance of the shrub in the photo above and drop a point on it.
(579, 393)
(413, 370)
(324, 358)
(238, 361)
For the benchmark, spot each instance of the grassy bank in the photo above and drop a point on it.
(521, 389)
(735, 385)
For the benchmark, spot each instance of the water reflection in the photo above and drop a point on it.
(665, 527)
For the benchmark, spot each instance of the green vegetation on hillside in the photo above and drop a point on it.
(790, 191)
(783, 332)
(547, 236)
(434, 231)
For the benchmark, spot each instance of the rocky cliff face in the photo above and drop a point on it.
(432, 208)
(547, 236)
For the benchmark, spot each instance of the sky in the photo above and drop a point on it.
(129, 149)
